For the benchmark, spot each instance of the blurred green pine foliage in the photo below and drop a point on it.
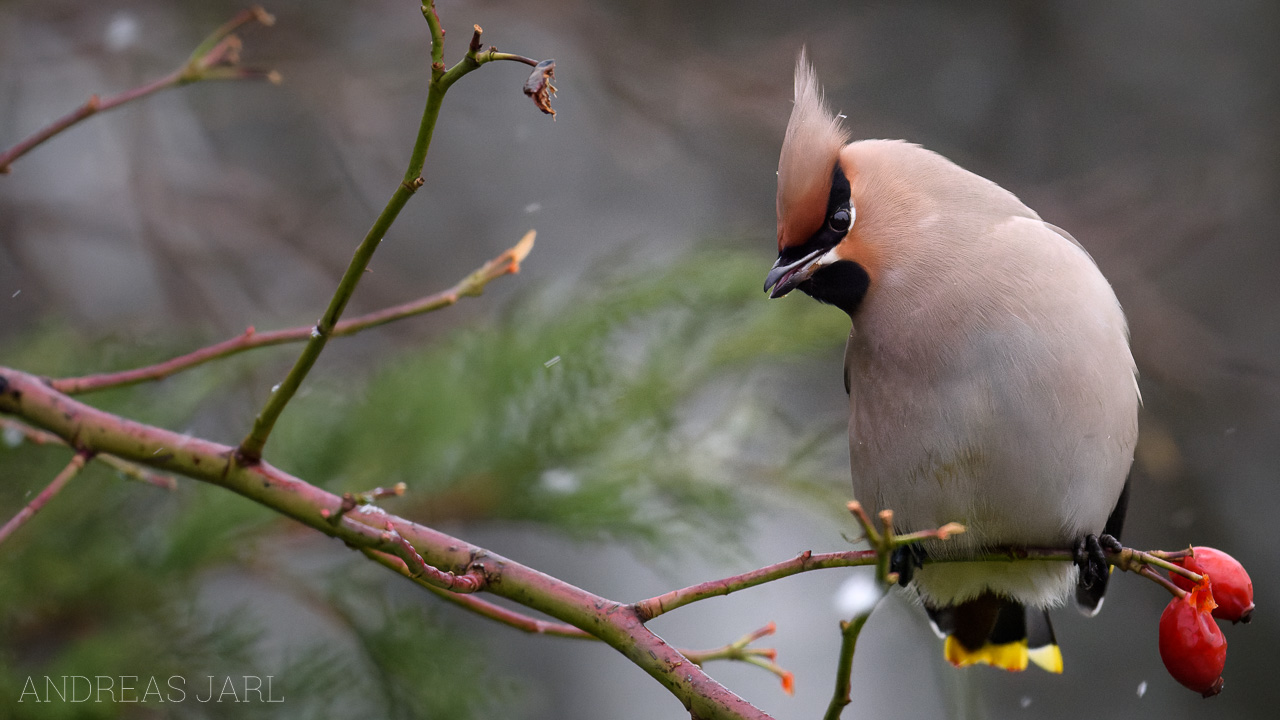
(627, 408)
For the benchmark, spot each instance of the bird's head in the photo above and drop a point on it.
(819, 249)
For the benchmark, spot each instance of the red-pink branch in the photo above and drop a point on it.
(506, 263)
(738, 650)
(482, 607)
(804, 562)
(215, 59)
(618, 624)
(130, 470)
(53, 488)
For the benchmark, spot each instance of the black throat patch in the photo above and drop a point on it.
(843, 284)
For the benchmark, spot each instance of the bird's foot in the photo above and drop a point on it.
(1091, 558)
(905, 560)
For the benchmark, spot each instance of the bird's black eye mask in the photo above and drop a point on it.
(839, 219)
(843, 283)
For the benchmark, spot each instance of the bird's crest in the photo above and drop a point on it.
(810, 150)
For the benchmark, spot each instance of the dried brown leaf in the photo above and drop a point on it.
(539, 88)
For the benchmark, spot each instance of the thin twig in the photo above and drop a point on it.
(1124, 559)
(470, 582)
(506, 263)
(251, 447)
(492, 55)
(882, 542)
(53, 488)
(849, 631)
(1155, 577)
(481, 607)
(30, 434)
(216, 58)
(739, 650)
(804, 562)
(733, 651)
(133, 471)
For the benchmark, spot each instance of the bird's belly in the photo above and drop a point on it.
(1024, 473)
(973, 485)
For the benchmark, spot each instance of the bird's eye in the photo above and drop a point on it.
(840, 220)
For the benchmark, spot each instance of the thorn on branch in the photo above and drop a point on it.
(539, 86)
(474, 47)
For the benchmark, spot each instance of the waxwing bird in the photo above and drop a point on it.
(988, 371)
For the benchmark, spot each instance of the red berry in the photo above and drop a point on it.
(1232, 588)
(1191, 644)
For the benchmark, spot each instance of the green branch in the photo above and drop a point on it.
(849, 631)
(250, 449)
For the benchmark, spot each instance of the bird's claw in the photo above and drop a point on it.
(1091, 558)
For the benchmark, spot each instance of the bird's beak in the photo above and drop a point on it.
(784, 277)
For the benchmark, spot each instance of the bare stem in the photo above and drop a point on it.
(1155, 577)
(483, 607)
(250, 450)
(214, 59)
(239, 20)
(804, 562)
(1154, 559)
(507, 263)
(472, 581)
(53, 488)
(133, 471)
(849, 631)
(492, 55)
(736, 650)
(30, 434)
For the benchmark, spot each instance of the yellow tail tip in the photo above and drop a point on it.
(1014, 656)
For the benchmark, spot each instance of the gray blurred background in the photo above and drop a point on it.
(1148, 129)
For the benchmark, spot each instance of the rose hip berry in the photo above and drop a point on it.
(1191, 644)
(1231, 586)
